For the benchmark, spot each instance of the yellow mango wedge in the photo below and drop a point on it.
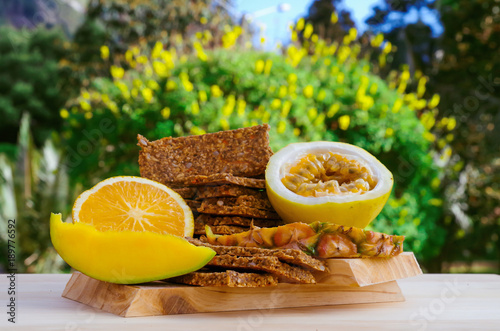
(125, 257)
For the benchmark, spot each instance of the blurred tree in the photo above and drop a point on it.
(463, 66)
(330, 23)
(32, 80)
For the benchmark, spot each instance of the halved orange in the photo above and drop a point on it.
(134, 204)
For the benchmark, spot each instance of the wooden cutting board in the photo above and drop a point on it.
(349, 281)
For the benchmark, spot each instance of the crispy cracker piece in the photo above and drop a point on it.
(242, 152)
(186, 192)
(292, 256)
(223, 178)
(216, 209)
(237, 220)
(271, 264)
(193, 204)
(219, 229)
(229, 278)
(228, 190)
(244, 200)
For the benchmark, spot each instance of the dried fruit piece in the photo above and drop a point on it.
(327, 182)
(323, 240)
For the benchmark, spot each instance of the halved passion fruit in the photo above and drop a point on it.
(327, 182)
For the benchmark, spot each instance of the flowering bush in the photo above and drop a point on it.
(322, 92)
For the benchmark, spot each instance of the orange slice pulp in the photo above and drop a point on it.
(134, 204)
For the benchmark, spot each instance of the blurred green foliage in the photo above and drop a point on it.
(31, 81)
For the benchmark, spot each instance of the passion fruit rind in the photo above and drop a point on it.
(351, 209)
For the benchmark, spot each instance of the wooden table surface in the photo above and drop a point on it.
(444, 302)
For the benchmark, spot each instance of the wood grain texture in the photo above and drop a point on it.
(168, 299)
(369, 271)
(472, 304)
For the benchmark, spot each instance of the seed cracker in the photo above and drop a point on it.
(292, 256)
(228, 190)
(186, 192)
(271, 264)
(199, 229)
(244, 200)
(237, 220)
(242, 152)
(215, 209)
(228, 278)
(223, 178)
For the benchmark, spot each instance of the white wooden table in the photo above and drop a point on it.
(433, 302)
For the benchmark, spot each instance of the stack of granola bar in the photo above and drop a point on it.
(220, 175)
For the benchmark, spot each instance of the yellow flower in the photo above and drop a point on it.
(64, 113)
(389, 132)
(450, 137)
(344, 122)
(224, 124)
(268, 66)
(312, 113)
(319, 120)
(129, 56)
(295, 36)
(281, 127)
(195, 108)
(147, 94)
(353, 33)
(397, 105)
(188, 86)
(308, 31)
(334, 18)
(300, 24)
(314, 38)
(104, 52)
(160, 69)
(292, 78)
(429, 136)
(117, 72)
(156, 52)
(203, 20)
(282, 91)
(373, 89)
(241, 107)
(202, 95)
(153, 85)
(215, 91)
(165, 112)
(321, 95)
(387, 47)
(275, 104)
(340, 77)
(296, 132)
(88, 115)
(287, 105)
(85, 105)
(436, 202)
(452, 123)
(308, 91)
(171, 85)
(259, 66)
(434, 102)
(333, 110)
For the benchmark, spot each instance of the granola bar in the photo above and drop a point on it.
(229, 278)
(236, 220)
(228, 190)
(241, 152)
(271, 264)
(223, 178)
(186, 192)
(199, 229)
(244, 200)
(216, 209)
